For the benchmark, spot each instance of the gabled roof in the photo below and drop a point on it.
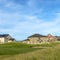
(36, 35)
(4, 35)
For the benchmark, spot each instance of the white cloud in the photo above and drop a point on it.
(24, 24)
(27, 24)
(40, 25)
(30, 24)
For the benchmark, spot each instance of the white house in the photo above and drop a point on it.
(5, 38)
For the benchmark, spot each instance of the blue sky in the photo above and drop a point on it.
(22, 18)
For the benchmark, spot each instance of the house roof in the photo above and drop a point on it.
(12, 39)
(4, 35)
(36, 35)
(25, 40)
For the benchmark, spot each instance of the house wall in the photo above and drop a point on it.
(9, 36)
(2, 40)
(44, 39)
(37, 40)
(28, 42)
(34, 40)
(7, 39)
(52, 39)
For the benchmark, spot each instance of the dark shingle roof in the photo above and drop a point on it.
(4, 35)
(36, 35)
(26, 40)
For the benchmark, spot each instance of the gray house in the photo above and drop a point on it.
(5, 38)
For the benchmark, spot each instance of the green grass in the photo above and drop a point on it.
(15, 48)
(19, 48)
(45, 44)
(13, 51)
(19, 51)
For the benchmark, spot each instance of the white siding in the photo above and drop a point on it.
(2, 40)
(9, 41)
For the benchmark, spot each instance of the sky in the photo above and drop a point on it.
(22, 18)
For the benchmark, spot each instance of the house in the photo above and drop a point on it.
(38, 38)
(58, 38)
(51, 38)
(5, 38)
(26, 41)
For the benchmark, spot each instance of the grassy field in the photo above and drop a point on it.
(15, 48)
(18, 51)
